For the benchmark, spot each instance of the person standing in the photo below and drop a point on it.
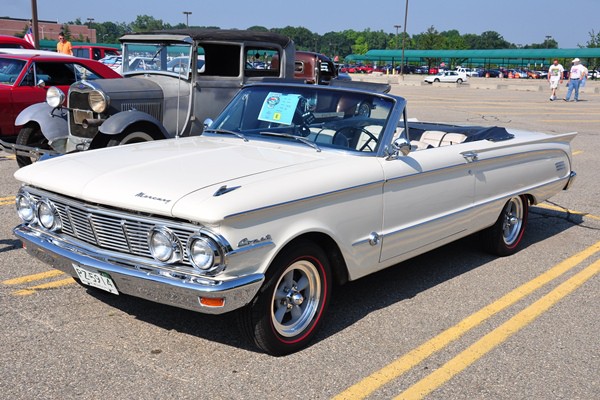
(555, 77)
(575, 76)
(64, 46)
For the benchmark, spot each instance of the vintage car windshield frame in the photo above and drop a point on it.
(308, 119)
(162, 52)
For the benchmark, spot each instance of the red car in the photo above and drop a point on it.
(13, 42)
(25, 76)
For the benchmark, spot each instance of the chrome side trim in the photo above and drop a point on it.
(316, 196)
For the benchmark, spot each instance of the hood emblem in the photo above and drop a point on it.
(224, 189)
(150, 197)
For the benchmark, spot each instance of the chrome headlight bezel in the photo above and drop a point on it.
(26, 208)
(47, 215)
(55, 97)
(205, 254)
(164, 245)
(98, 101)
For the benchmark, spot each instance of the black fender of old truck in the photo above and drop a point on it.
(121, 122)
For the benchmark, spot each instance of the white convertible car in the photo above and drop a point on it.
(292, 189)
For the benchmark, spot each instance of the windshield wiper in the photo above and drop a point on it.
(290, 136)
(228, 132)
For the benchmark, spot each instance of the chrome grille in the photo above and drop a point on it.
(154, 109)
(112, 229)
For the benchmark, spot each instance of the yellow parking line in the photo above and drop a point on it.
(35, 277)
(45, 286)
(557, 208)
(406, 362)
(497, 336)
(7, 200)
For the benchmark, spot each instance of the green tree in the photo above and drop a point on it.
(145, 23)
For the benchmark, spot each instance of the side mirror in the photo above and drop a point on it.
(207, 122)
(399, 146)
(41, 84)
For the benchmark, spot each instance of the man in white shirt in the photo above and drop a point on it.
(555, 76)
(575, 77)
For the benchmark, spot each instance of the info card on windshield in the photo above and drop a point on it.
(279, 108)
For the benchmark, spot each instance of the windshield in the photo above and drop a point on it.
(173, 58)
(339, 119)
(10, 70)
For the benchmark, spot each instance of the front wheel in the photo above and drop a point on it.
(459, 81)
(31, 136)
(130, 137)
(285, 314)
(503, 238)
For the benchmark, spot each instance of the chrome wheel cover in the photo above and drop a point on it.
(296, 298)
(513, 220)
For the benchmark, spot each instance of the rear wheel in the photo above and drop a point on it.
(31, 136)
(285, 314)
(503, 238)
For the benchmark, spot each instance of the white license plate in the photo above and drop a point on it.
(100, 280)
(80, 115)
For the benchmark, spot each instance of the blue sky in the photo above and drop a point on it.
(519, 22)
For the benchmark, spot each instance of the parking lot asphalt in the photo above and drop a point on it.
(454, 323)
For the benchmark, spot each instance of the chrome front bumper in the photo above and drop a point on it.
(179, 290)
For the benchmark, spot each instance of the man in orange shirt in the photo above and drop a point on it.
(63, 46)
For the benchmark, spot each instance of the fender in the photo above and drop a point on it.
(52, 122)
(118, 123)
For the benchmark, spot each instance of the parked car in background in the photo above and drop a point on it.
(153, 102)
(94, 52)
(113, 62)
(316, 68)
(447, 76)
(25, 79)
(287, 193)
(13, 42)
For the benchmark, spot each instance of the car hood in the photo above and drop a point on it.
(198, 178)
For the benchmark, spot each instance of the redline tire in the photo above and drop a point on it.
(289, 308)
(504, 237)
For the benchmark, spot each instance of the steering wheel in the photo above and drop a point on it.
(341, 138)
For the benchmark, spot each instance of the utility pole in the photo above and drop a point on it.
(404, 39)
(34, 23)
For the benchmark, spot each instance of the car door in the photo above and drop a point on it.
(427, 200)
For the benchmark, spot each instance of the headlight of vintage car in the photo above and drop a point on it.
(54, 97)
(25, 207)
(164, 245)
(204, 253)
(98, 101)
(47, 215)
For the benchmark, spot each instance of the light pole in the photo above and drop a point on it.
(404, 39)
(187, 15)
(397, 27)
(90, 20)
(547, 40)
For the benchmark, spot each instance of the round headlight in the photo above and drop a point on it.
(164, 245)
(98, 101)
(203, 252)
(47, 215)
(54, 97)
(25, 207)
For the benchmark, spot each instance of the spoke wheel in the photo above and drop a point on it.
(285, 314)
(503, 238)
(32, 136)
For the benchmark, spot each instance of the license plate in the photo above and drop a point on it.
(80, 115)
(100, 280)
